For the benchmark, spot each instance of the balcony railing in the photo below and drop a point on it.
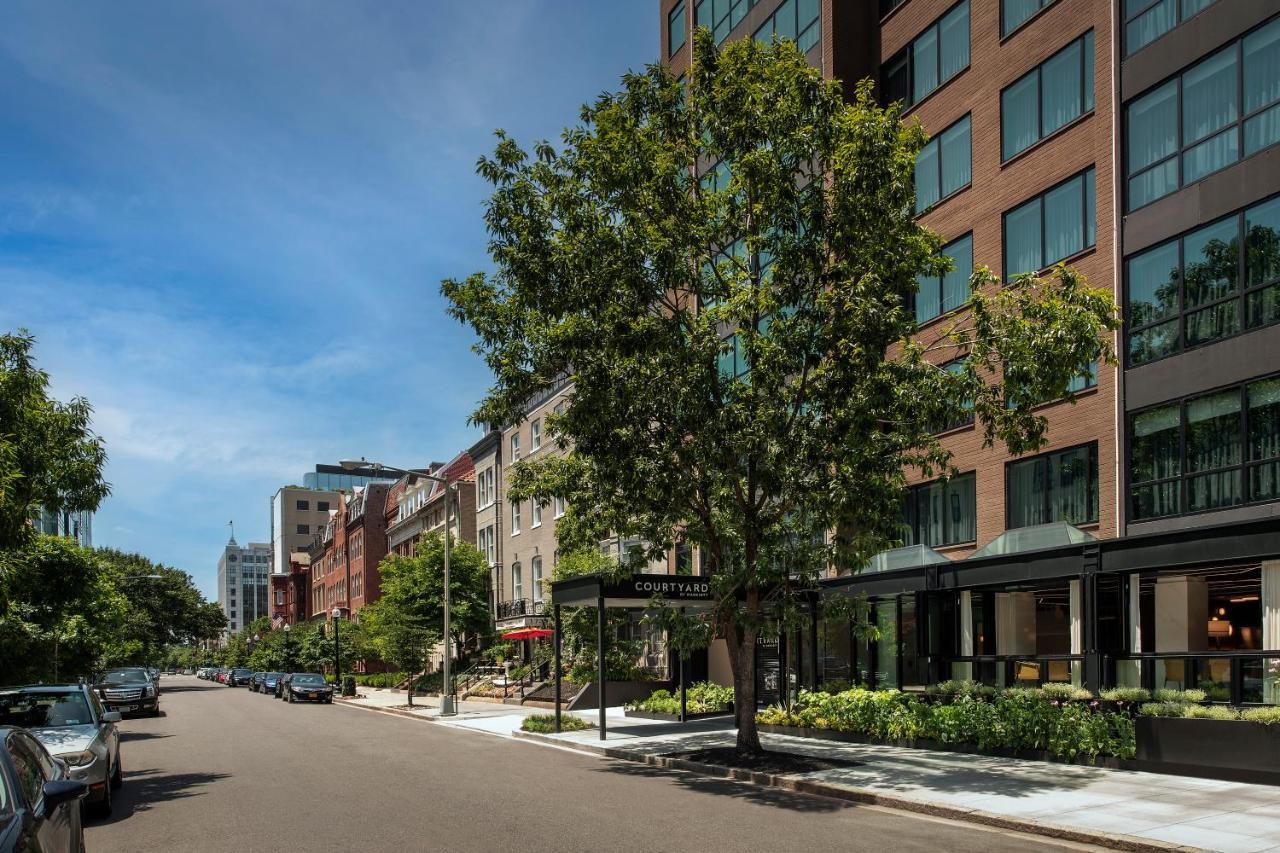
(519, 607)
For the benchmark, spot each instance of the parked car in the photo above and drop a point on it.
(220, 675)
(71, 723)
(269, 682)
(39, 804)
(308, 687)
(128, 690)
(282, 684)
(255, 681)
(238, 677)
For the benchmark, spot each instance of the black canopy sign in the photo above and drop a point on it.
(668, 587)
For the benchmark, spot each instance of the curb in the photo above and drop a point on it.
(864, 796)
(409, 715)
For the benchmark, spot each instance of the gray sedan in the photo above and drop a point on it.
(73, 726)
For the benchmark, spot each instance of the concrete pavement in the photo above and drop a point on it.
(225, 769)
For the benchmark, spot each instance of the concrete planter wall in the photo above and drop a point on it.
(615, 693)
(1222, 749)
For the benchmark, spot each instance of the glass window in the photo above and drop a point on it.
(1147, 20)
(1014, 12)
(937, 514)
(944, 165)
(1059, 486)
(535, 435)
(1264, 440)
(322, 506)
(721, 16)
(303, 505)
(1155, 461)
(939, 294)
(1188, 291)
(675, 29)
(515, 517)
(517, 582)
(797, 20)
(535, 509)
(535, 566)
(886, 673)
(301, 529)
(1047, 97)
(1191, 126)
(1050, 227)
(934, 57)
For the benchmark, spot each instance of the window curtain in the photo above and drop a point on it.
(1018, 115)
(962, 524)
(1072, 479)
(1264, 439)
(1213, 441)
(955, 284)
(1271, 627)
(924, 64)
(927, 176)
(965, 670)
(1027, 493)
(1015, 623)
(1022, 239)
(1262, 87)
(1209, 96)
(1150, 25)
(953, 48)
(1075, 610)
(1064, 221)
(1153, 127)
(957, 156)
(1061, 88)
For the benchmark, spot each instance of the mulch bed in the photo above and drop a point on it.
(777, 763)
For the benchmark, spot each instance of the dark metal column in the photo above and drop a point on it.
(600, 690)
(557, 665)
(684, 705)
(813, 644)
(1092, 675)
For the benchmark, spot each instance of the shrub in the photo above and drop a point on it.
(835, 685)
(1184, 696)
(381, 679)
(1126, 694)
(1162, 709)
(546, 723)
(1061, 691)
(960, 687)
(705, 697)
(1265, 716)
(1210, 712)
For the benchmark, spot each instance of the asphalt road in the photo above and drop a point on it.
(225, 769)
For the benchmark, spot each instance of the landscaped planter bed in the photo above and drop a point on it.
(652, 715)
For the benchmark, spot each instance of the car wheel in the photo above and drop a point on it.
(102, 808)
(117, 776)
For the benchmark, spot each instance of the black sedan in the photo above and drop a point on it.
(239, 677)
(128, 690)
(39, 805)
(308, 687)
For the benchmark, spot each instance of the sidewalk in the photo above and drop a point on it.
(1117, 808)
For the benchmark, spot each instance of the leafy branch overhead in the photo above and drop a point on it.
(725, 269)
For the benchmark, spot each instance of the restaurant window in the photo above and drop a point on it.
(1189, 290)
(944, 165)
(937, 513)
(933, 57)
(1049, 96)
(1050, 227)
(1224, 107)
(1058, 486)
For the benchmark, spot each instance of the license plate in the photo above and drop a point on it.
(311, 695)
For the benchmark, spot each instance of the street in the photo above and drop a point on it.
(225, 769)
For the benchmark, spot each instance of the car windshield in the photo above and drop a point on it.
(128, 676)
(42, 709)
(243, 671)
(307, 678)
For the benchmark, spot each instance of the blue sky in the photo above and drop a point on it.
(226, 223)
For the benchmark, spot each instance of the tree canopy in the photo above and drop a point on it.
(49, 455)
(725, 270)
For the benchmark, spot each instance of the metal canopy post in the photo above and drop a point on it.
(600, 691)
(557, 644)
(684, 705)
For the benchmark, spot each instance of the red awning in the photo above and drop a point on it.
(527, 634)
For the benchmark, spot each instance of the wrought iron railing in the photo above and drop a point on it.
(519, 607)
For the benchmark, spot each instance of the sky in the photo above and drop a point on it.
(226, 224)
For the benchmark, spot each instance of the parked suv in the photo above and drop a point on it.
(128, 690)
(71, 723)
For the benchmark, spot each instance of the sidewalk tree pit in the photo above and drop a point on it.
(728, 290)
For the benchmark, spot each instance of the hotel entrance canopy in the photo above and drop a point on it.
(636, 592)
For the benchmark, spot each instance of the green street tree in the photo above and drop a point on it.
(408, 617)
(725, 272)
(49, 456)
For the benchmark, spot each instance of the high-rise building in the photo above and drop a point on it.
(1136, 142)
(243, 592)
(77, 525)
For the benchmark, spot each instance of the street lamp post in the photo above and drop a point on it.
(288, 650)
(451, 489)
(337, 656)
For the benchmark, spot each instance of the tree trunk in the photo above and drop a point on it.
(742, 660)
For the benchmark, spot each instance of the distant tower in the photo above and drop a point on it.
(232, 541)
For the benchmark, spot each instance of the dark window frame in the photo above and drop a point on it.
(1243, 289)
(937, 140)
(1184, 476)
(910, 501)
(1181, 146)
(679, 11)
(1151, 4)
(1005, 31)
(938, 280)
(713, 25)
(1086, 107)
(771, 24)
(1040, 196)
(1091, 446)
(907, 54)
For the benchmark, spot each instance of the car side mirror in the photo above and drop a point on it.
(60, 791)
(112, 717)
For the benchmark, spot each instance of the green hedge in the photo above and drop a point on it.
(546, 723)
(1013, 719)
(705, 697)
(381, 679)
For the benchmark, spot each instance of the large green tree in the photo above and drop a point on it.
(408, 617)
(49, 456)
(725, 271)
